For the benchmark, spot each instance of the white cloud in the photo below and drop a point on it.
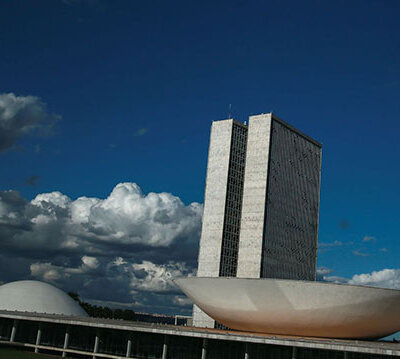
(148, 276)
(124, 248)
(45, 271)
(48, 201)
(22, 115)
(49, 272)
(321, 271)
(369, 239)
(89, 262)
(141, 283)
(323, 276)
(119, 261)
(126, 217)
(182, 301)
(387, 278)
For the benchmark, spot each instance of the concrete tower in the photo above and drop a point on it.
(219, 243)
(279, 222)
(261, 203)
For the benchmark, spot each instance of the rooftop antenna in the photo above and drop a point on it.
(230, 111)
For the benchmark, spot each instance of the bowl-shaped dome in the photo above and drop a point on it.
(295, 307)
(34, 296)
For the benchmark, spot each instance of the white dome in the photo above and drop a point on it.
(39, 297)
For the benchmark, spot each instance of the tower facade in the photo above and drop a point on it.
(279, 221)
(219, 242)
(261, 203)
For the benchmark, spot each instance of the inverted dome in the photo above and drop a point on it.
(292, 307)
(39, 297)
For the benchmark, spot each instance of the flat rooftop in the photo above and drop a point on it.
(359, 346)
(276, 118)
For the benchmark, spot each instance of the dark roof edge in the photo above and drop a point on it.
(276, 118)
(296, 130)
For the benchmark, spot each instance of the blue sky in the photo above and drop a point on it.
(131, 89)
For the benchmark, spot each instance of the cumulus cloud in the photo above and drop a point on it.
(126, 217)
(385, 278)
(369, 239)
(135, 284)
(150, 277)
(22, 115)
(124, 248)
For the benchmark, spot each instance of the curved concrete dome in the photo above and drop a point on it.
(39, 297)
(293, 307)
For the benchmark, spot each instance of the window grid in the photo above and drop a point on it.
(233, 204)
(291, 218)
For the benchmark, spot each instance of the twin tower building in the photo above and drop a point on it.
(261, 203)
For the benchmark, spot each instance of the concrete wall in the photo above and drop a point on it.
(215, 198)
(201, 319)
(214, 208)
(254, 195)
